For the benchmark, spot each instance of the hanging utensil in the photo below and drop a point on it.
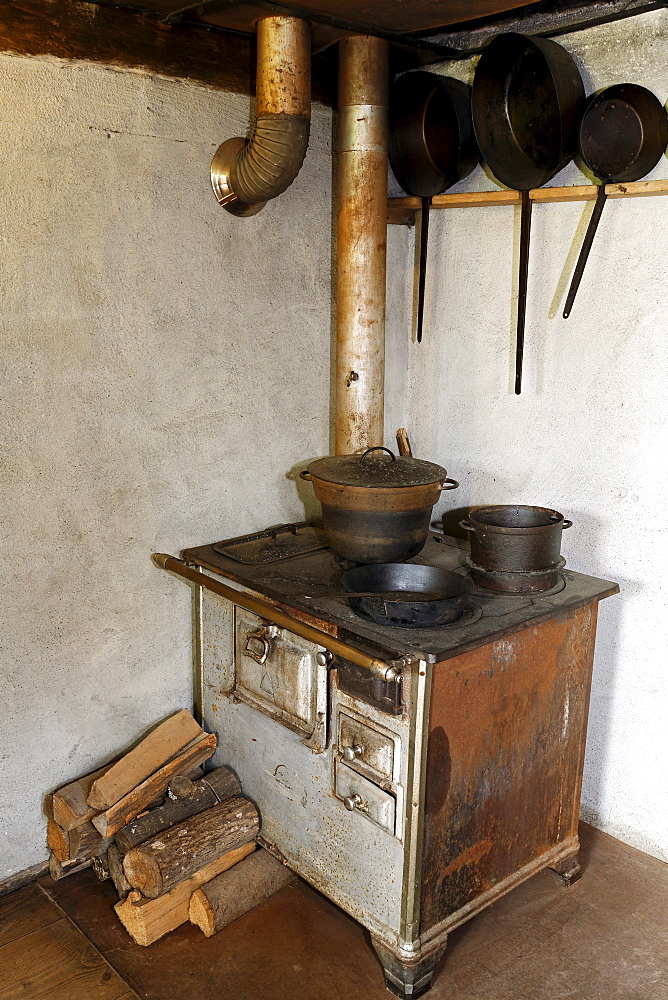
(623, 135)
(432, 146)
(527, 98)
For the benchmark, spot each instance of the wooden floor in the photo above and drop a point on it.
(605, 938)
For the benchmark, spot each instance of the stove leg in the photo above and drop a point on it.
(408, 980)
(568, 870)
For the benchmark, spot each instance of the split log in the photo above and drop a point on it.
(101, 868)
(61, 869)
(81, 843)
(237, 891)
(166, 859)
(115, 862)
(160, 746)
(57, 840)
(119, 815)
(184, 798)
(147, 920)
(68, 804)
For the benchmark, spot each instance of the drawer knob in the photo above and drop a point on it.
(352, 802)
(353, 752)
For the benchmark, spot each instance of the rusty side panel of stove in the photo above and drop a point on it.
(504, 762)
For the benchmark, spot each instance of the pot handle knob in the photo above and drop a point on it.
(305, 474)
(378, 448)
(567, 523)
(466, 525)
(449, 484)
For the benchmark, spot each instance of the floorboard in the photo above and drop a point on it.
(24, 911)
(56, 962)
(605, 938)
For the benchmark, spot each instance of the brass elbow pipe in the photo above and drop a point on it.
(247, 173)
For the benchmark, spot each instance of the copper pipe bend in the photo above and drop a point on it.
(247, 173)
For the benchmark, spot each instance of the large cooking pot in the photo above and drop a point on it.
(376, 509)
(516, 548)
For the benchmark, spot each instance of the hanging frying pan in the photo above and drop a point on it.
(527, 100)
(623, 135)
(432, 145)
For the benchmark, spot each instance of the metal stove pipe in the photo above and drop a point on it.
(246, 173)
(361, 243)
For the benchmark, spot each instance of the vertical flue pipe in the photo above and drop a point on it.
(361, 243)
(246, 173)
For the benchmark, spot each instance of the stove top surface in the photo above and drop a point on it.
(488, 616)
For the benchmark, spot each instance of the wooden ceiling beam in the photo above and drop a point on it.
(547, 17)
(129, 38)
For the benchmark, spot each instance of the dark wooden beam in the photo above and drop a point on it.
(117, 37)
(126, 37)
(547, 17)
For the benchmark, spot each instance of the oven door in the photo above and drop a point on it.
(283, 676)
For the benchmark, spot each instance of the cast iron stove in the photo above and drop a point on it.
(414, 795)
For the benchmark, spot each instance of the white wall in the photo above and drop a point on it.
(164, 367)
(588, 435)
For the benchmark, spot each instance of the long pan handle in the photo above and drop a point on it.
(424, 237)
(586, 247)
(525, 236)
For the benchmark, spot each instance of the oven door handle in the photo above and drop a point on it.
(386, 670)
(265, 642)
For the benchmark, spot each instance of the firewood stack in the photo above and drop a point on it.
(165, 834)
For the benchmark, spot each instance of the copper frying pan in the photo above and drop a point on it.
(623, 135)
(527, 100)
(432, 145)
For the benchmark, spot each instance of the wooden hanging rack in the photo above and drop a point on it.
(402, 211)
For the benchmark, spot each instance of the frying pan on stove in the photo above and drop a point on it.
(452, 590)
(527, 100)
(623, 135)
(432, 145)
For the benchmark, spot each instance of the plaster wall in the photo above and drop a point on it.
(164, 366)
(589, 434)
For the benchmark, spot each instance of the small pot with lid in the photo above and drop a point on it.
(376, 509)
(516, 548)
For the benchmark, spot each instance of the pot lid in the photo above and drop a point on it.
(378, 467)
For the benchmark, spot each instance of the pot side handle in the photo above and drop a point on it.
(305, 474)
(449, 484)
(466, 525)
(567, 524)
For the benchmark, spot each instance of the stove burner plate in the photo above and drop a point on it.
(469, 616)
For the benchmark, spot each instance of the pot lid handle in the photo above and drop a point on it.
(378, 448)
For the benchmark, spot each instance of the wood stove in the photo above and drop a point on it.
(412, 776)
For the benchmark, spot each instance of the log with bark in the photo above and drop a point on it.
(115, 862)
(61, 869)
(184, 798)
(160, 746)
(147, 920)
(119, 815)
(227, 897)
(100, 866)
(160, 863)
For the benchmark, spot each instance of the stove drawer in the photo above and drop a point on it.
(362, 796)
(359, 744)
(282, 675)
